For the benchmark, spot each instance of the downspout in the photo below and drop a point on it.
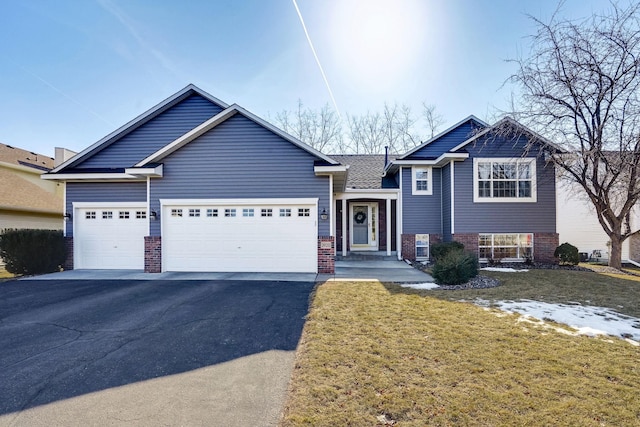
(399, 220)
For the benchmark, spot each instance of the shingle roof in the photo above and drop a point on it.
(365, 170)
(18, 156)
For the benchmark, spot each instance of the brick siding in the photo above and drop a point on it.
(544, 245)
(409, 247)
(326, 257)
(152, 254)
(469, 240)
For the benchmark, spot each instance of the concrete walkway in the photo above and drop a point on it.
(382, 270)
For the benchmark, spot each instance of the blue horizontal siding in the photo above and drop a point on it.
(473, 217)
(446, 202)
(421, 214)
(103, 192)
(240, 159)
(447, 141)
(153, 135)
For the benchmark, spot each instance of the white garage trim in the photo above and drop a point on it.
(240, 235)
(101, 242)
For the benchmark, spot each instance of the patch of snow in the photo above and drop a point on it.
(503, 269)
(586, 320)
(420, 285)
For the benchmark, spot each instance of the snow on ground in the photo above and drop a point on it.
(503, 269)
(587, 320)
(420, 285)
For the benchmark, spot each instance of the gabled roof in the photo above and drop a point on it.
(511, 123)
(443, 133)
(29, 159)
(219, 118)
(365, 170)
(139, 121)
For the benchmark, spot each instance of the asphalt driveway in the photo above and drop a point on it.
(147, 352)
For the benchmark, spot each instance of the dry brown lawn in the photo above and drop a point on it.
(374, 355)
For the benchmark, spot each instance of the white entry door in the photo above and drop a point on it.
(248, 235)
(364, 230)
(109, 236)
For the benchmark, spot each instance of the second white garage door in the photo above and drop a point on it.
(257, 235)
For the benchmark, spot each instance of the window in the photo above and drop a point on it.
(141, 214)
(422, 247)
(90, 215)
(511, 247)
(123, 214)
(285, 212)
(176, 212)
(212, 213)
(247, 212)
(107, 214)
(504, 180)
(194, 213)
(304, 212)
(266, 212)
(421, 181)
(229, 213)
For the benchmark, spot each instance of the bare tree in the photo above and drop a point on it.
(580, 86)
(432, 118)
(320, 129)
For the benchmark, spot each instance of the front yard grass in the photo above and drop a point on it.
(384, 355)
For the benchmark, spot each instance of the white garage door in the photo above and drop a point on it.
(255, 235)
(109, 237)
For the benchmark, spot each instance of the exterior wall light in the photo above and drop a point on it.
(67, 216)
(153, 215)
(324, 215)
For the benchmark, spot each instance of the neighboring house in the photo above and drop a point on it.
(578, 225)
(26, 201)
(195, 184)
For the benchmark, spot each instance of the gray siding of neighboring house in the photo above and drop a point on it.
(421, 214)
(446, 202)
(505, 217)
(240, 159)
(154, 134)
(103, 192)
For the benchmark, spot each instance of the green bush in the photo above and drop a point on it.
(32, 251)
(439, 250)
(567, 253)
(455, 268)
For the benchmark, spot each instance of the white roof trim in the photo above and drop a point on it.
(154, 171)
(215, 121)
(513, 123)
(90, 176)
(444, 158)
(142, 117)
(441, 134)
(330, 169)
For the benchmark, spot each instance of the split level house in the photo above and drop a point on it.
(195, 184)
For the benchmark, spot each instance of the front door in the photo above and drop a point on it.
(364, 228)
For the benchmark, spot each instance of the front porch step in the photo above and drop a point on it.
(367, 256)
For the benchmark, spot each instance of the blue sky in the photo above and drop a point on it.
(72, 71)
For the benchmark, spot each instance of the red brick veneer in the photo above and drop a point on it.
(326, 255)
(409, 247)
(544, 245)
(469, 240)
(152, 254)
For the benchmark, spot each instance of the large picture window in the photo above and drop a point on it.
(505, 247)
(504, 180)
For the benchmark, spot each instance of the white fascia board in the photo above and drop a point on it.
(391, 193)
(330, 170)
(151, 172)
(441, 134)
(189, 136)
(283, 134)
(443, 159)
(238, 202)
(85, 205)
(141, 118)
(90, 177)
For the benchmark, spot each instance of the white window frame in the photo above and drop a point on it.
(519, 160)
(414, 179)
(420, 243)
(518, 258)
